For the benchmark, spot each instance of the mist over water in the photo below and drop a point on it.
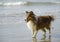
(13, 26)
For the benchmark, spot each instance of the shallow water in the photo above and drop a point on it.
(13, 28)
(20, 33)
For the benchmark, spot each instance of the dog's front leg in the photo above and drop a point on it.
(34, 34)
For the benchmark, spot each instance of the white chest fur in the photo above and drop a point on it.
(30, 25)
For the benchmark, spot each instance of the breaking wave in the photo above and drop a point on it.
(12, 3)
(26, 3)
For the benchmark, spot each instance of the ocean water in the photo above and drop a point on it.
(13, 27)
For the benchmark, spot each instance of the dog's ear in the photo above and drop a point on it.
(31, 11)
(26, 11)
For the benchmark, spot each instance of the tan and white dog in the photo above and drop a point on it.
(36, 23)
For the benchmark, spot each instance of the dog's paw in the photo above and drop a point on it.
(33, 36)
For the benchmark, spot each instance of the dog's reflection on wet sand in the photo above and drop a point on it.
(43, 39)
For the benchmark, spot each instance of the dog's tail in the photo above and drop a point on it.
(51, 18)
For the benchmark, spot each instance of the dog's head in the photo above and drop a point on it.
(29, 15)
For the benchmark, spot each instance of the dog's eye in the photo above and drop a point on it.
(27, 12)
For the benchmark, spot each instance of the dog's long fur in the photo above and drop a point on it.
(38, 23)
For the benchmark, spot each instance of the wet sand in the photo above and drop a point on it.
(19, 32)
(13, 28)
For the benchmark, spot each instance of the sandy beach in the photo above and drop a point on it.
(13, 27)
(19, 32)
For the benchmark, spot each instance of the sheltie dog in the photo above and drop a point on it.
(36, 23)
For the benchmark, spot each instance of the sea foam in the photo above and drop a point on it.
(25, 3)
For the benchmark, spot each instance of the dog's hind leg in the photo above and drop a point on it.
(44, 31)
(48, 28)
(44, 35)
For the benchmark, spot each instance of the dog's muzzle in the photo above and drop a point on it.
(25, 19)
